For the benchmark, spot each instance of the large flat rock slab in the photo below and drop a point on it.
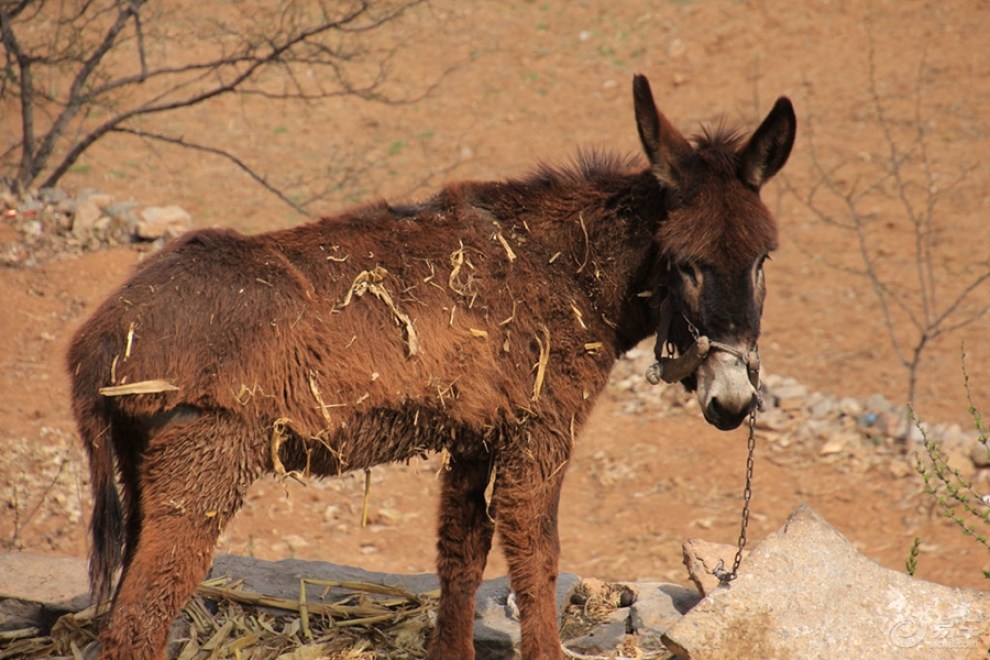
(37, 589)
(805, 592)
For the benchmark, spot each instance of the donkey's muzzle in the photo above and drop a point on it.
(728, 385)
(726, 418)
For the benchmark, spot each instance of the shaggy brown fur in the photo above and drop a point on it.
(483, 322)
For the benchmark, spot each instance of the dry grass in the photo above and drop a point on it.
(222, 620)
(350, 621)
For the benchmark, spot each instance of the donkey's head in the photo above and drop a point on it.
(714, 240)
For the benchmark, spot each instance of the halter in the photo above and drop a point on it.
(672, 369)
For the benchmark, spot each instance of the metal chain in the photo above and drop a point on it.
(725, 577)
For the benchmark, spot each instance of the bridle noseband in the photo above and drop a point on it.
(671, 369)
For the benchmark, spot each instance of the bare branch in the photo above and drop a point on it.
(908, 180)
(241, 165)
(298, 36)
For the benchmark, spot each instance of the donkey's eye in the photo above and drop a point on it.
(689, 271)
(759, 264)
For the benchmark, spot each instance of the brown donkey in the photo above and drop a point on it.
(482, 322)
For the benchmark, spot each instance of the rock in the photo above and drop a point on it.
(959, 459)
(84, 217)
(834, 445)
(980, 455)
(701, 558)
(791, 396)
(658, 606)
(773, 420)
(805, 592)
(281, 578)
(162, 221)
(878, 403)
(496, 626)
(97, 199)
(822, 406)
(49, 195)
(893, 424)
(37, 589)
(123, 212)
(850, 407)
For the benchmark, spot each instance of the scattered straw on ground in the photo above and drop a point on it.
(354, 621)
(370, 622)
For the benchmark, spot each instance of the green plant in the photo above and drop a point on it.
(955, 497)
(912, 561)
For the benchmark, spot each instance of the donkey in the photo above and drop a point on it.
(481, 323)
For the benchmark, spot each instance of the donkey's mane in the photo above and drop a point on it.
(718, 147)
(589, 164)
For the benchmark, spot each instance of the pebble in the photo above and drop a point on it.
(865, 429)
(833, 446)
(50, 222)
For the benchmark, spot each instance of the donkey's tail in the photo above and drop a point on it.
(106, 525)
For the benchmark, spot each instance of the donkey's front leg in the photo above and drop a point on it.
(464, 541)
(527, 492)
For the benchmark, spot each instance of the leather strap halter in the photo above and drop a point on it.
(672, 369)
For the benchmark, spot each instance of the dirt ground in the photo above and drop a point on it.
(532, 81)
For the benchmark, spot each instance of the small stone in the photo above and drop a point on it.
(878, 403)
(125, 212)
(52, 195)
(892, 424)
(702, 557)
(960, 460)
(833, 446)
(97, 199)
(33, 229)
(84, 217)
(790, 397)
(773, 420)
(160, 221)
(658, 607)
(979, 453)
(822, 405)
(850, 407)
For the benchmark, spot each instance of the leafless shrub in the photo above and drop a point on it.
(854, 195)
(79, 72)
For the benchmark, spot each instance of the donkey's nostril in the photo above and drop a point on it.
(724, 418)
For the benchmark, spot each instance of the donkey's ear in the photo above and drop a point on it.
(664, 145)
(768, 148)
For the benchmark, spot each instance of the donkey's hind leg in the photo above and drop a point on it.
(192, 480)
(465, 538)
(527, 493)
